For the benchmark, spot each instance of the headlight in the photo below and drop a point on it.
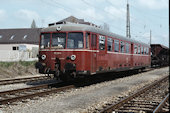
(43, 57)
(73, 57)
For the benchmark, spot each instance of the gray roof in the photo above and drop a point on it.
(83, 27)
(15, 36)
(160, 46)
(71, 19)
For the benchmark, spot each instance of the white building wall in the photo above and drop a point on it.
(8, 54)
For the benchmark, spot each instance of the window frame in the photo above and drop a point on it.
(122, 49)
(67, 37)
(127, 49)
(102, 38)
(52, 39)
(139, 49)
(142, 50)
(116, 41)
(48, 47)
(110, 40)
(87, 40)
(135, 49)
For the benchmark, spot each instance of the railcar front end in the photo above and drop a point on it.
(63, 54)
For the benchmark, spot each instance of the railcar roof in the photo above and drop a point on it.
(83, 27)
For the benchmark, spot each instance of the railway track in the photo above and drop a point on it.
(7, 97)
(22, 80)
(152, 98)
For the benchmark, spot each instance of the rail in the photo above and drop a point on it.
(21, 80)
(6, 97)
(130, 101)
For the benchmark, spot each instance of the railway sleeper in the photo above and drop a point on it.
(143, 103)
(136, 109)
(139, 105)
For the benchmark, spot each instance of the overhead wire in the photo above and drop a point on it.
(54, 3)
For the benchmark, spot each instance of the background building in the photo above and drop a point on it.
(19, 44)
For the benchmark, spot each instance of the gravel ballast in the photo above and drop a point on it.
(89, 98)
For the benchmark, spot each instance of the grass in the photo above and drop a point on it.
(23, 63)
(27, 63)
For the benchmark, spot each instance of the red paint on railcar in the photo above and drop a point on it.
(94, 56)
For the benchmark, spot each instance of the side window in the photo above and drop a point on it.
(145, 50)
(122, 47)
(135, 49)
(87, 40)
(93, 41)
(101, 42)
(138, 49)
(116, 45)
(109, 44)
(141, 49)
(127, 47)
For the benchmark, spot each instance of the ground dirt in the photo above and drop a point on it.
(87, 99)
(16, 70)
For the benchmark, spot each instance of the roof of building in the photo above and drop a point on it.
(18, 36)
(72, 19)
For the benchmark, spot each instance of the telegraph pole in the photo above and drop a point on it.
(128, 22)
(150, 36)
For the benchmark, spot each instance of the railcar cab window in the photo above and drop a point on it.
(138, 49)
(135, 49)
(122, 47)
(109, 44)
(116, 45)
(101, 42)
(58, 40)
(75, 40)
(45, 41)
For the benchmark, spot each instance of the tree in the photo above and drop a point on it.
(33, 25)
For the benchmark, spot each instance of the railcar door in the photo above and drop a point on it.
(93, 53)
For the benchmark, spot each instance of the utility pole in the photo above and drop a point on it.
(128, 22)
(150, 36)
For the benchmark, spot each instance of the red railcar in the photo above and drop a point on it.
(72, 50)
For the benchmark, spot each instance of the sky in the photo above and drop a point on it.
(145, 15)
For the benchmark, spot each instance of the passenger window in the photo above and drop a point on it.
(138, 49)
(145, 51)
(122, 47)
(142, 50)
(127, 47)
(101, 42)
(93, 40)
(135, 49)
(116, 45)
(109, 44)
(87, 40)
